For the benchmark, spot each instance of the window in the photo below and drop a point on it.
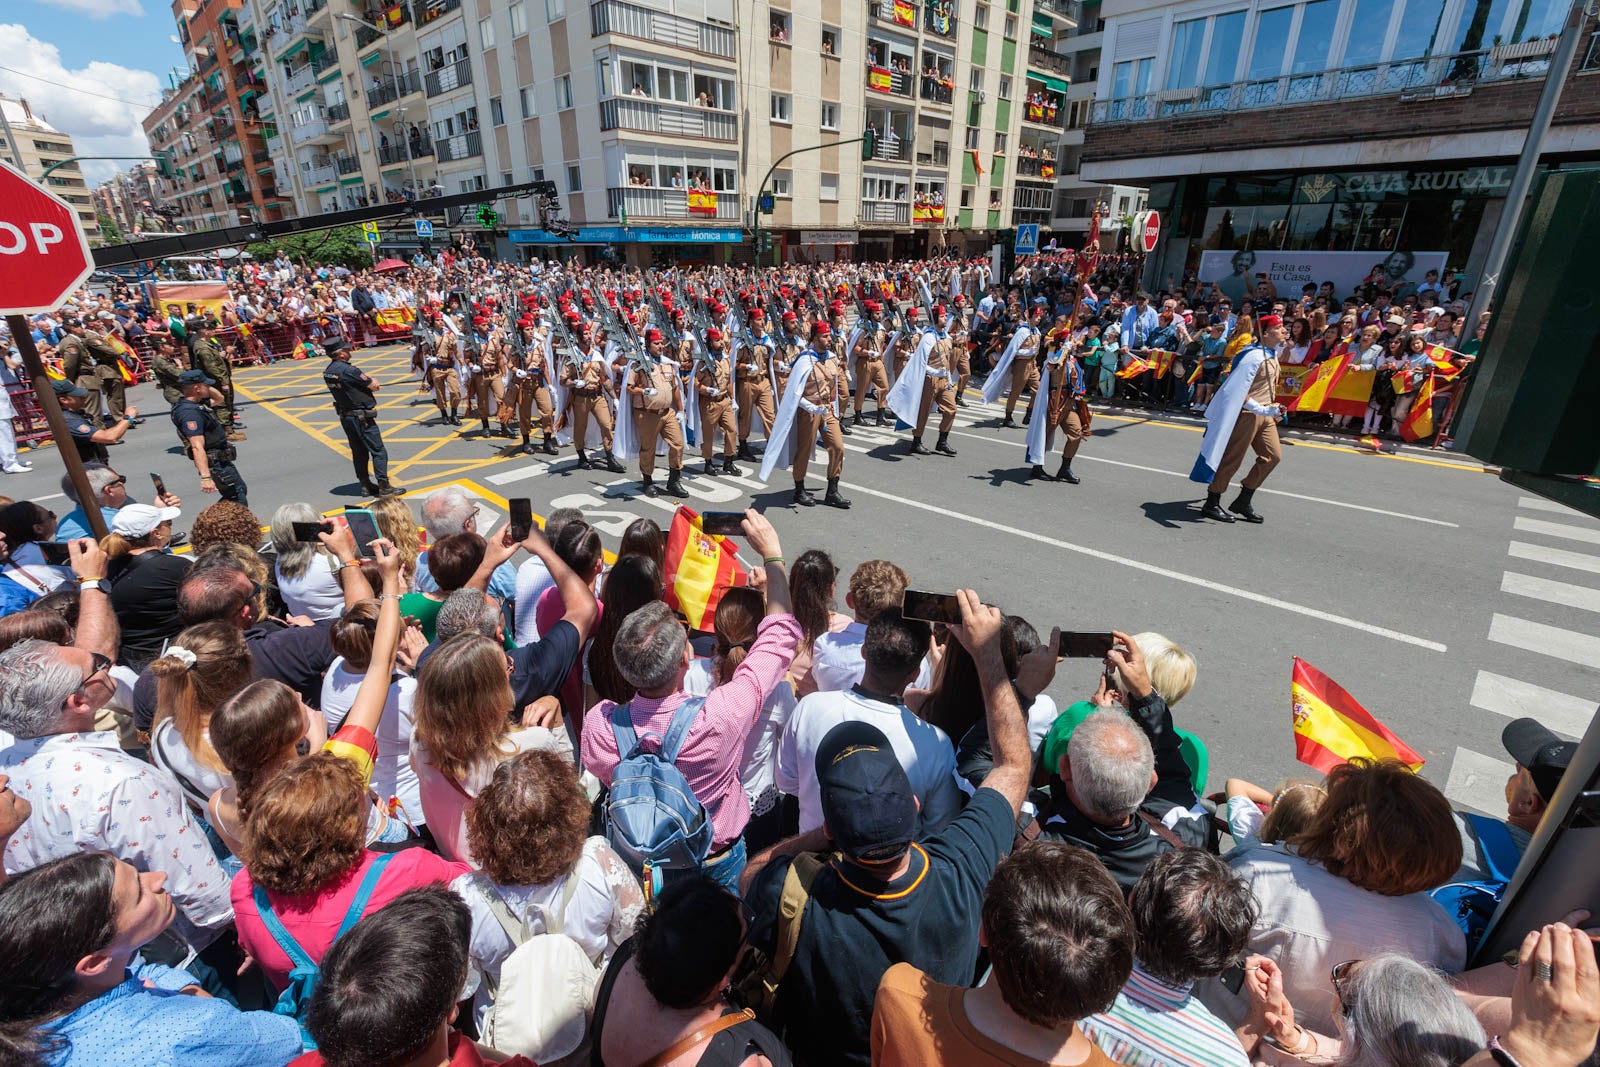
(975, 80)
(782, 183)
(574, 178)
(497, 114)
(505, 177)
(1183, 68)
(830, 42)
(1272, 43)
(519, 18)
(1367, 47)
(724, 179)
(781, 103)
(536, 174)
(1313, 42)
(830, 116)
(672, 84)
(473, 184)
(555, 9)
(828, 187)
(1131, 78)
(966, 197)
(999, 144)
(780, 26)
(1222, 57)
(563, 92)
(1010, 31)
(1005, 87)
(941, 153)
(713, 92)
(980, 17)
(486, 32)
(525, 97)
(972, 138)
(994, 199)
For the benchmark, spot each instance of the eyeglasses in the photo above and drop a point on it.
(121, 479)
(1341, 972)
(99, 663)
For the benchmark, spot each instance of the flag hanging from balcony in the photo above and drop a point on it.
(879, 79)
(1047, 170)
(905, 13)
(702, 203)
(977, 162)
(939, 18)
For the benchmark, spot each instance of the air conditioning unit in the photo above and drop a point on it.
(983, 97)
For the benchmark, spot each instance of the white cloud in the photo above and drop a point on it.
(105, 123)
(98, 9)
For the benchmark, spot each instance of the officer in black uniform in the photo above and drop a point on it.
(357, 409)
(206, 439)
(91, 442)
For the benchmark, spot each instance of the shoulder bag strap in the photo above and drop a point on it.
(1162, 830)
(700, 1036)
(682, 721)
(515, 928)
(369, 882)
(797, 882)
(286, 942)
(622, 729)
(556, 923)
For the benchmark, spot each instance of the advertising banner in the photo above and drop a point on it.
(1235, 271)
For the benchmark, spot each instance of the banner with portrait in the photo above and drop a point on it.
(1235, 271)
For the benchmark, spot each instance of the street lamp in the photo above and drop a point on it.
(405, 143)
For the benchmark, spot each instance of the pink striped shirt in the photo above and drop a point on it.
(711, 754)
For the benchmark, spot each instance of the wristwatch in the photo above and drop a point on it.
(93, 583)
(1501, 1056)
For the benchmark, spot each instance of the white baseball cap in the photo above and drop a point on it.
(141, 520)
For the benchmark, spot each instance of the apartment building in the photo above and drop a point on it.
(1381, 127)
(133, 199)
(207, 127)
(32, 145)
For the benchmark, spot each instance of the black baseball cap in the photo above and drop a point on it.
(332, 345)
(66, 388)
(868, 806)
(194, 377)
(1538, 749)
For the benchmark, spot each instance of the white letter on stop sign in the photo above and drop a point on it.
(12, 239)
(46, 234)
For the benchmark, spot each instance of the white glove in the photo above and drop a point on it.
(475, 368)
(809, 408)
(522, 374)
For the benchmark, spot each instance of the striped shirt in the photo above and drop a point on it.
(1154, 1024)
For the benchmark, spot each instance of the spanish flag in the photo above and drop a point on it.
(1418, 422)
(699, 569)
(1199, 367)
(1321, 382)
(1330, 728)
(1161, 362)
(1439, 356)
(1135, 367)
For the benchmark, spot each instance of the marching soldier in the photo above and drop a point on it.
(205, 439)
(839, 344)
(713, 384)
(530, 388)
(165, 366)
(1024, 369)
(961, 357)
(1065, 407)
(78, 366)
(791, 343)
(588, 380)
(755, 384)
(656, 400)
(937, 391)
(1245, 420)
(819, 416)
(442, 371)
(488, 379)
(209, 358)
(868, 356)
(357, 408)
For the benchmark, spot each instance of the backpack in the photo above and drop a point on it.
(755, 982)
(541, 1002)
(652, 815)
(296, 996)
(1473, 904)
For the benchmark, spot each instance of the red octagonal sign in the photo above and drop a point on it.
(1152, 231)
(44, 254)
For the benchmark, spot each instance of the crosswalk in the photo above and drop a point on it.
(1538, 585)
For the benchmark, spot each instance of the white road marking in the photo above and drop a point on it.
(1479, 781)
(1516, 699)
(1569, 645)
(1539, 503)
(532, 470)
(1150, 568)
(1560, 557)
(1565, 593)
(1556, 529)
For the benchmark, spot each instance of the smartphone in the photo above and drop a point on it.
(1084, 645)
(161, 486)
(521, 517)
(722, 523)
(307, 531)
(55, 553)
(1233, 978)
(931, 607)
(365, 529)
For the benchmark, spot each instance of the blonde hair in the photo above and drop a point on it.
(1294, 805)
(1171, 669)
(397, 523)
(188, 693)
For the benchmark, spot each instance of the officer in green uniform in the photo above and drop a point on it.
(357, 408)
(209, 357)
(78, 366)
(107, 366)
(165, 366)
(206, 439)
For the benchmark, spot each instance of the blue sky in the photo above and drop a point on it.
(92, 68)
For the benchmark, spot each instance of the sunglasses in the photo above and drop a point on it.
(1340, 973)
(99, 664)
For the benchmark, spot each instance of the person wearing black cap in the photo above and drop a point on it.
(90, 441)
(207, 356)
(205, 439)
(357, 409)
(1542, 758)
(882, 897)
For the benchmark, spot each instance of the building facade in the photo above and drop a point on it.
(1360, 126)
(133, 199)
(33, 146)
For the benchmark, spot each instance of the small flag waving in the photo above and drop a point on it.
(1418, 422)
(1135, 367)
(1161, 362)
(700, 568)
(1321, 382)
(1330, 728)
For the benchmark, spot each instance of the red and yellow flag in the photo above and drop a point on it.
(1317, 387)
(1418, 422)
(1439, 356)
(905, 13)
(1135, 367)
(879, 79)
(1194, 375)
(1330, 728)
(1161, 362)
(700, 568)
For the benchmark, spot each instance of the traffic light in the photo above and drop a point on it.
(869, 143)
(487, 217)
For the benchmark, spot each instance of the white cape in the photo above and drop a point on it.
(1223, 412)
(1000, 377)
(905, 397)
(781, 446)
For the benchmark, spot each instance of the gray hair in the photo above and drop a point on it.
(99, 476)
(557, 519)
(1404, 1014)
(649, 646)
(294, 557)
(446, 512)
(1111, 761)
(34, 684)
(467, 611)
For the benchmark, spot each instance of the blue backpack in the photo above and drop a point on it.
(1473, 904)
(652, 815)
(296, 996)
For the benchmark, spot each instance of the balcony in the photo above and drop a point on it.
(299, 81)
(264, 105)
(461, 146)
(647, 116)
(324, 173)
(892, 82)
(274, 145)
(391, 89)
(1044, 109)
(885, 211)
(939, 19)
(261, 155)
(448, 77)
(239, 196)
(347, 165)
(1069, 10)
(631, 20)
(1046, 59)
(1042, 166)
(390, 154)
(940, 90)
(430, 11)
(307, 132)
(285, 34)
(314, 7)
(893, 149)
(648, 203)
(365, 35)
(339, 112)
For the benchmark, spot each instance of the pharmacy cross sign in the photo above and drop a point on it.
(44, 254)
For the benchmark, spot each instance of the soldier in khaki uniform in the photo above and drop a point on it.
(530, 388)
(78, 366)
(961, 358)
(208, 356)
(488, 380)
(108, 369)
(589, 382)
(1024, 370)
(1255, 429)
(442, 375)
(713, 384)
(868, 355)
(791, 342)
(755, 384)
(656, 401)
(818, 416)
(839, 342)
(937, 391)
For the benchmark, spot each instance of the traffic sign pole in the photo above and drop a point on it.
(22, 337)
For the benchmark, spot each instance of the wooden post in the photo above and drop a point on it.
(22, 337)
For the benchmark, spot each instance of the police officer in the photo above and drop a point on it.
(90, 441)
(357, 409)
(206, 439)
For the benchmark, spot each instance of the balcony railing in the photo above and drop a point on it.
(648, 116)
(314, 6)
(1037, 166)
(365, 35)
(1047, 110)
(461, 146)
(897, 150)
(348, 164)
(1443, 75)
(299, 80)
(646, 203)
(338, 112)
(274, 145)
(1041, 58)
(939, 90)
(390, 154)
(430, 11)
(391, 89)
(448, 77)
(239, 196)
(940, 19)
(309, 131)
(264, 105)
(1070, 9)
(885, 211)
(631, 20)
(261, 155)
(886, 80)
(323, 174)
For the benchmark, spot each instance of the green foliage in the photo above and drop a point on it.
(343, 246)
(110, 232)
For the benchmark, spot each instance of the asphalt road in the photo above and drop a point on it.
(1443, 599)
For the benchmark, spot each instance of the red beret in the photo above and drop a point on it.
(573, 316)
(678, 313)
(789, 316)
(479, 320)
(757, 313)
(1269, 321)
(938, 309)
(873, 306)
(526, 322)
(713, 334)
(651, 336)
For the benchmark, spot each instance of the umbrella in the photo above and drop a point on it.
(389, 266)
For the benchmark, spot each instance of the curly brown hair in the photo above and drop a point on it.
(225, 522)
(528, 825)
(307, 826)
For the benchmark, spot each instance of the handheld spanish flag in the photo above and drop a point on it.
(1439, 356)
(700, 568)
(1321, 382)
(1418, 422)
(1135, 367)
(1161, 362)
(1330, 728)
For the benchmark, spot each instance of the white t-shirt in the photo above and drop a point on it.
(392, 775)
(837, 664)
(444, 802)
(533, 578)
(315, 594)
(758, 770)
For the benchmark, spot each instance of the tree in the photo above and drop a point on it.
(110, 232)
(343, 246)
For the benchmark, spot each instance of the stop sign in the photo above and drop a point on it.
(1152, 231)
(44, 254)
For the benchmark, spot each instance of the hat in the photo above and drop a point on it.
(479, 320)
(332, 345)
(651, 336)
(789, 316)
(141, 520)
(821, 329)
(1060, 732)
(938, 309)
(713, 334)
(66, 388)
(71, 320)
(1267, 322)
(1395, 320)
(106, 316)
(868, 805)
(194, 377)
(1539, 750)
(757, 313)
